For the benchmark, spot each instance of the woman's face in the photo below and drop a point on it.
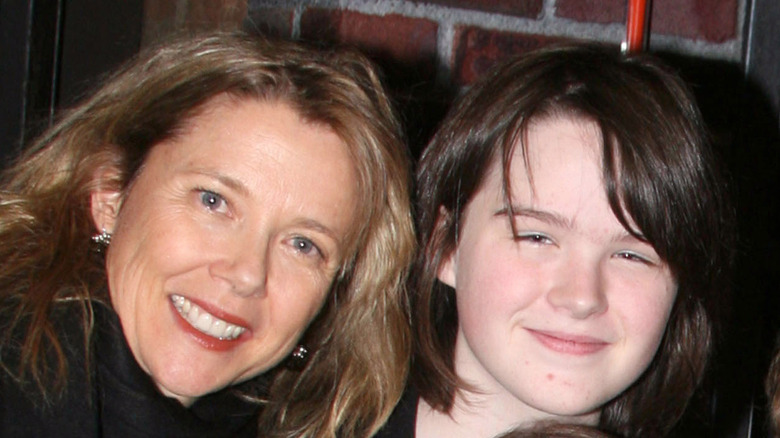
(226, 244)
(564, 315)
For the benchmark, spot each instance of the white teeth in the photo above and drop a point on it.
(203, 321)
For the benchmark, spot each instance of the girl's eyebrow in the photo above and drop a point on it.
(544, 216)
(558, 220)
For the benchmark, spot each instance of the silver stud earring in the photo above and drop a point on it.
(297, 359)
(102, 239)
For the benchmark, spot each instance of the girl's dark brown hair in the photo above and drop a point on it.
(659, 174)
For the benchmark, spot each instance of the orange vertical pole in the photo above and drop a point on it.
(636, 23)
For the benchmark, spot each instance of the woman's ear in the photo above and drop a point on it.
(448, 267)
(106, 199)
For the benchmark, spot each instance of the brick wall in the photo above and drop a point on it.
(457, 39)
(428, 48)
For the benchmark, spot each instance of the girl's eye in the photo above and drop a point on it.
(305, 246)
(535, 238)
(212, 201)
(633, 257)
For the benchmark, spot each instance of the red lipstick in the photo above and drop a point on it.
(206, 341)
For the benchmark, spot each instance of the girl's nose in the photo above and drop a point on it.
(581, 290)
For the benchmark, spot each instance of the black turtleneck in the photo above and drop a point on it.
(115, 398)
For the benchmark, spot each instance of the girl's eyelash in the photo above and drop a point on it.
(632, 256)
(538, 238)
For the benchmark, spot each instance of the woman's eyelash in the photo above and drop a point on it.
(211, 200)
(305, 246)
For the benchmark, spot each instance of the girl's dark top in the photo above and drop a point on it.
(117, 399)
(402, 421)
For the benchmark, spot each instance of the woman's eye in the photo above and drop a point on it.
(305, 246)
(212, 201)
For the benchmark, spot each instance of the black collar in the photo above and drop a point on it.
(129, 400)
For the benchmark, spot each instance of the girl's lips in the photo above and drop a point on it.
(569, 344)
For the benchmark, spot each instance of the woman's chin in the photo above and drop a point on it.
(186, 392)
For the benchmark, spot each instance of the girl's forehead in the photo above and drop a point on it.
(552, 142)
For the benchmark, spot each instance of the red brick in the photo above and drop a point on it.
(710, 20)
(404, 48)
(159, 10)
(519, 8)
(403, 39)
(270, 21)
(476, 50)
(215, 14)
(592, 11)
(159, 20)
(166, 17)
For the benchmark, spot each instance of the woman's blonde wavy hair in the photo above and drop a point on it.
(360, 341)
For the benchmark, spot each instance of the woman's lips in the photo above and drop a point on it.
(211, 328)
(568, 343)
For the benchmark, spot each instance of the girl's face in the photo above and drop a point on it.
(562, 316)
(224, 249)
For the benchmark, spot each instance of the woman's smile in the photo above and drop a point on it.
(204, 321)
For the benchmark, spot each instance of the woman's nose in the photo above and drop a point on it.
(579, 290)
(243, 267)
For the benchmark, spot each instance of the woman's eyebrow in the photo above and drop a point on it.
(228, 181)
(241, 188)
(318, 226)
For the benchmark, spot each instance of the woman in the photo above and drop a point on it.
(218, 205)
(574, 234)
